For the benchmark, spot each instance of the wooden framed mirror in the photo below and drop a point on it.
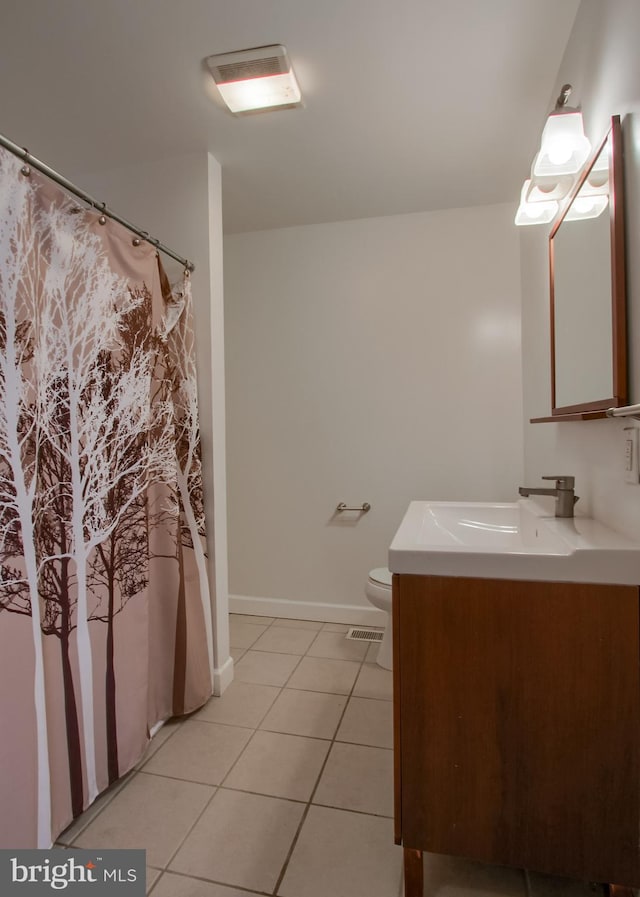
(588, 292)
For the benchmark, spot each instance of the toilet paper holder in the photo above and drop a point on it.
(363, 508)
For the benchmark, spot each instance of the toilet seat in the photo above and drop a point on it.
(381, 576)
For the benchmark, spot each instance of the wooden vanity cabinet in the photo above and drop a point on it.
(516, 724)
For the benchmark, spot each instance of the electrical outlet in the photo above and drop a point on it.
(631, 468)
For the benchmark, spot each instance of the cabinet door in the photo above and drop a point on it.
(518, 714)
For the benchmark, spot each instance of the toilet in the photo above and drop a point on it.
(378, 591)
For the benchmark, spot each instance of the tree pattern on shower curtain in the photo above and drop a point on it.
(100, 480)
(181, 375)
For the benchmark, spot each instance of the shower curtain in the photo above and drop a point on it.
(105, 622)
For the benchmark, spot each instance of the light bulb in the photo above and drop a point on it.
(563, 148)
(560, 151)
(583, 204)
(534, 210)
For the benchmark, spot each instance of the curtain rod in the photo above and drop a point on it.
(23, 154)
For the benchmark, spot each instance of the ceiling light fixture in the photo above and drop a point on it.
(256, 79)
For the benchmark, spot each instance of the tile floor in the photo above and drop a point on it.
(284, 785)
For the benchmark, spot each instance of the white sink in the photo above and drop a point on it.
(510, 540)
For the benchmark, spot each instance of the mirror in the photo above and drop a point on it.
(588, 308)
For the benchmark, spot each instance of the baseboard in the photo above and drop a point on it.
(223, 676)
(355, 614)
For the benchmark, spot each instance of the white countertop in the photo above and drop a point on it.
(510, 540)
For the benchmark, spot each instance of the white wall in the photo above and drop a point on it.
(374, 360)
(603, 65)
(179, 201)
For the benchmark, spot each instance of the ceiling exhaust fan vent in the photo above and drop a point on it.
(259, 62)
(255, 80)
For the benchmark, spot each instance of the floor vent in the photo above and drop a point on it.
(365, 635)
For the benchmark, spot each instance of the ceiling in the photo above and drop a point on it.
(410, 105)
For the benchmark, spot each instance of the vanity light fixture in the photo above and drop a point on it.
(593, 196)
(564, 148)
(597, 181)
(589, 206)
(256, 79)
(547, 189)
(541, 212)
(563, 151)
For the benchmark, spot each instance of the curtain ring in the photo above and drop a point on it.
(26, 168)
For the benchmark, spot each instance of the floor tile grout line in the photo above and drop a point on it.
(129, 775)
(221, 784)
(190, 829)
(137, 770)
(217, 722)
(300, 657)
(306, 653)
(251, 729)
(298, 734)
(352, 810)
(289, 629)
(259, 728)
(335, 734)
(211, 881)
(293, 670)
(292, 847)
(237, 760)
(303, 655)
(292, 800)
(237, 725)
(267, 711)
(312, 691)
(343, 694)
(289, 800)
(280, 621)
(308, 804)
(155, 884)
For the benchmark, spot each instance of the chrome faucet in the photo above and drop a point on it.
(563, 494)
